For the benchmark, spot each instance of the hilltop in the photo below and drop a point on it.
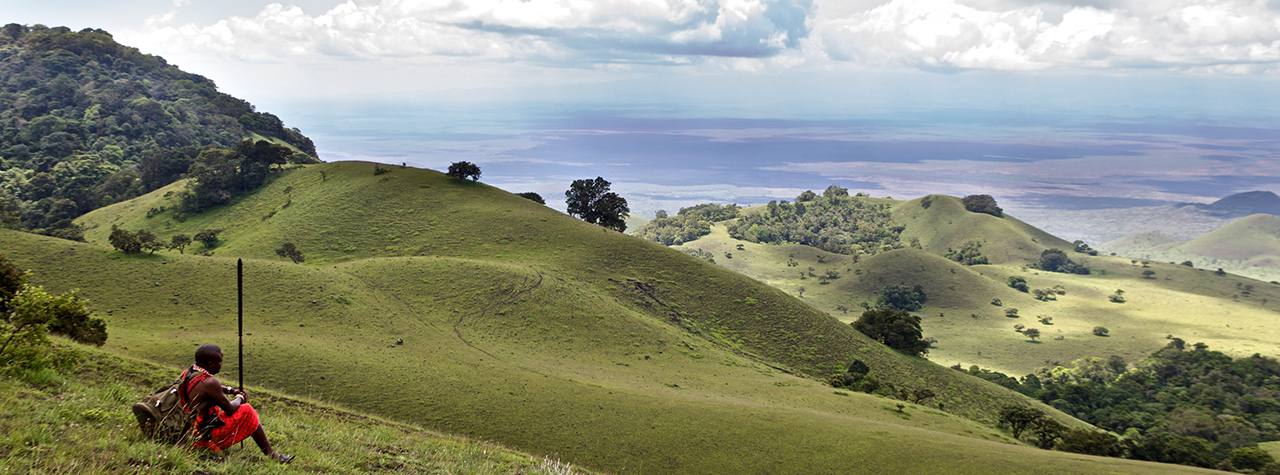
(86, 122)
(1183, 221)
(1249, 246)
(528, 327)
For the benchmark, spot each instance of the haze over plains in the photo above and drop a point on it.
(1045, 105)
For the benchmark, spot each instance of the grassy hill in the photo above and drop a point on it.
(1230, 313)
(80, 423)
(527, 327)
(1249, 246)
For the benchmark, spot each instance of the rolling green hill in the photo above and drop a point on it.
(1228, 312)
(528, 327)
(1249, 246)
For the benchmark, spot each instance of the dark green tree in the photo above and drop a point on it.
(896, 329)
(1019, 418)
(291, 251)
(1055, 260)
(592, 201)
(982, 204)
(180, 242)
(901, 297)
(464, 170)
(1089, 442)
(208, 237)
(124, 241)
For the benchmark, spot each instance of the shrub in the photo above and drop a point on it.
(534, 197)
(179, 242)
(1017, 283)
(1100, 331)
(291, 251)
(969, 253)
(1011, 312)
(1055, 260)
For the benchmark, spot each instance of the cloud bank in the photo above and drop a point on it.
(1195, 36)
(559, 31)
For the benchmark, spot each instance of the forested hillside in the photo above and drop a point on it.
(86, 122)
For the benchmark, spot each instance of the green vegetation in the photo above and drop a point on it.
(592, 201)
(76, 421)
(1186, 406)
(970, 254)
(834, 222)
(553, 321)
(687, 225)
(982, 204)
(28, 312)
(901, 297)
(86, 122)
(534, 197)
(896, 329)
(463, 171)
(1017, 282)
(1056, 260)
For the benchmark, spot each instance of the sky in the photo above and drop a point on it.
(1068, 104)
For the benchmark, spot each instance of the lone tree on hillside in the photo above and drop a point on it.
(291, 251)
(208, 237)
(464, 170)
(982, 204)
(897, 329)
(1032, 333)
(180, 242)
(592, 201)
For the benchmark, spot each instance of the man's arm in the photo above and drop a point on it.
(213, 391)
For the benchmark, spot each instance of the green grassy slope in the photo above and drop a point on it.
(1245, 238)
(80, 423)
(1185, 302)
(527, 327)
(528, 372)
(945, 224)
(1249, 246)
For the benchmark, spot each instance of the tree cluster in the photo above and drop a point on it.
(1185, 405)
(1056, 260)
(592, 201)
(901, 297)
(969, 254)
(687, 225)
(834, 222)
(86, 122)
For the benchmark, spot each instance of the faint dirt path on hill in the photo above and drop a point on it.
(514, 295)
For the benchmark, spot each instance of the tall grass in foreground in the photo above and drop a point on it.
(81, 423)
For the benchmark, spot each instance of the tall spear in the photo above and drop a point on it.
(240, 319)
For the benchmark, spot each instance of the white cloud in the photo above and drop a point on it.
(1206, 35)
(559, 31)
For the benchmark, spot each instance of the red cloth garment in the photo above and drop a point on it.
(239, 426)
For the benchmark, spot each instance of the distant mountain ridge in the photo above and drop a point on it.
(1243, 204)
(1248, 246)
(1182, 221)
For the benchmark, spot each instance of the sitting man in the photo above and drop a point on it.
(221, 422)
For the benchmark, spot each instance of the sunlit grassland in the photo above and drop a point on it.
(527, 327)
(80, 423)
(1193, 304)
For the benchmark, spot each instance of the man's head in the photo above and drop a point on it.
(209, 357)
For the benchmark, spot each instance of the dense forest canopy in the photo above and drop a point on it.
(687, 225)
(86, 122)
(834, 222)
